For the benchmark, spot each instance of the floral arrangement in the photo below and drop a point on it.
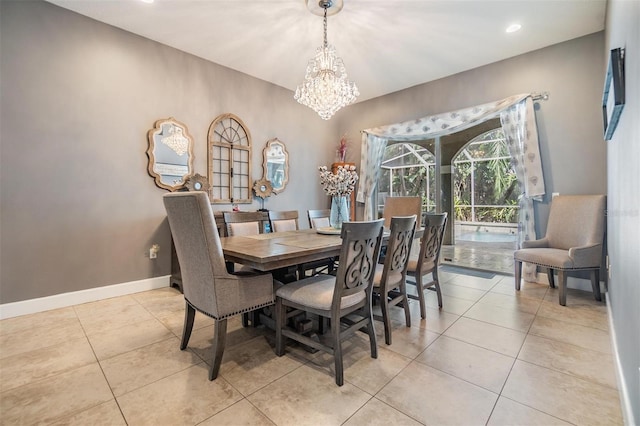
(342, 149)
(343, 182)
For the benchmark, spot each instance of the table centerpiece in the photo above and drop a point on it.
(339, 186)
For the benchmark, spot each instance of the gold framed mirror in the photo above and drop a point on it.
(170, 153)
(275, 165)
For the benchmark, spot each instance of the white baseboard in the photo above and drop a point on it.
(625, 402)
(32, 306)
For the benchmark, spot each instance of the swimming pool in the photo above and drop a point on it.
(487, 237)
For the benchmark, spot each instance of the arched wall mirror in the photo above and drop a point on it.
(170, 153)
(276, 165)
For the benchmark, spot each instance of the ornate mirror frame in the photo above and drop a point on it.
(170, 153)
(275, 165)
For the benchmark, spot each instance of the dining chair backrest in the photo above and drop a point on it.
(402, 206)
(431, 242)
(399, 245)
(361, 242)
(283, 221)
(199, 251)
(577, 221)
(319, 218)
(390, 280)
(243, 223)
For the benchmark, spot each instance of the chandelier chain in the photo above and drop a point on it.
(325, 27)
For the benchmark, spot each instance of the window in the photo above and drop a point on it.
(407, 170)
(229, 160)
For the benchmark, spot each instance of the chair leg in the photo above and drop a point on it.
(384, 306)
(373, 341)
(562, 283)
(518, 273)
(189, 316)
(552, 284)
(436, 280)
(337, 350)
(281, 321)
(595, 284)
(219, 338)
(405, 304)
(420, 291)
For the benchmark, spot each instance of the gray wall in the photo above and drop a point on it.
(569, 123)
(78, 209)
(623, 165)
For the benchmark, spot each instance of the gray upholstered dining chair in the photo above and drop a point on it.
(573, 242)
(390, 278)
(349, 292)
(283, 220)
(319, 218)
(243, 223)
(428, 260)
(208, 287)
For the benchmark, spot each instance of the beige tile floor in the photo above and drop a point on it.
(490, 356)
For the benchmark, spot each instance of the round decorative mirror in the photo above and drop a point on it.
(197, 182)
(170, 153)
(276, 165)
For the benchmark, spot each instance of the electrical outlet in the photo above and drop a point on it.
(153, 251)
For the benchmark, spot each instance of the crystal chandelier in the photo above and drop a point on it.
(326, 88)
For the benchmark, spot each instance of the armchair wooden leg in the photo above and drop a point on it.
(562, 283)
(518, 273)
(189, 316)
(595, 284)
(552, 284)
(219, 338)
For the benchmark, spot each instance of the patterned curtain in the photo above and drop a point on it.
(521, 134)
(375, 140)
(370, 160)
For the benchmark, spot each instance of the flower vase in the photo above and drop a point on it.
(339, 211)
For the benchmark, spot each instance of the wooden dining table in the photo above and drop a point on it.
(278, 250)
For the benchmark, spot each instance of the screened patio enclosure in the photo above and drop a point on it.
(485, 189)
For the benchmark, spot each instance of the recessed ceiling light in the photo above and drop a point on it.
(513, 28)
(147, 1)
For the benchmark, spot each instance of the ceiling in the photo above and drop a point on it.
(386, 45)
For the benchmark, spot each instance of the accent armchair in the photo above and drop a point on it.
(573, 242)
